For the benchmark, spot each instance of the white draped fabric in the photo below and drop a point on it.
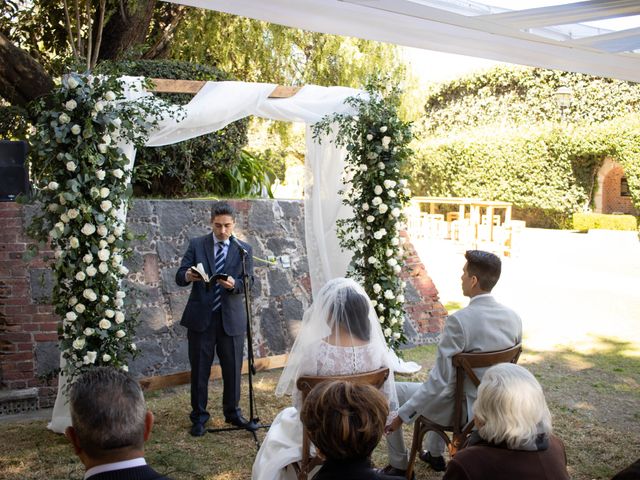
(219, 103)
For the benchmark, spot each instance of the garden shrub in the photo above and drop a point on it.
(601, 221)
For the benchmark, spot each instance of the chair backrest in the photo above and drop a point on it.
(464, 364)
(305, 384)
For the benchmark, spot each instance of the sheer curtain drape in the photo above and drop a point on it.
(219, 103)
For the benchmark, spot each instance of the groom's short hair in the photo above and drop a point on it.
(107, 411)
(345, 420)
(222, 208)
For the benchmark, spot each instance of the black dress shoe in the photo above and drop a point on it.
(238, 421)
(437, 463)
(197, 430)
(394, 472)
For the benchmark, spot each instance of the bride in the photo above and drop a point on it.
(340, 335)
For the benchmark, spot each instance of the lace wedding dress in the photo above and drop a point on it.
(283, 443)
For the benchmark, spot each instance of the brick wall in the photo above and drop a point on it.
(28, 326)
(612, 201)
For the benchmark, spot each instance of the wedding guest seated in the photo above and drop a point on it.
(345, 422)
(110, 423)
(514, 437)
(340, 335)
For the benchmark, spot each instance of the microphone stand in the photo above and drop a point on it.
(254, 422)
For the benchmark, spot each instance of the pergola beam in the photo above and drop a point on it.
(166, 85)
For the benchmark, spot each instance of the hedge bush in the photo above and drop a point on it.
(601, 221)
(195, 166)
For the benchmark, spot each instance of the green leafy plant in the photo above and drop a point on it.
(594, 221)
(82, 188)
(376, 140)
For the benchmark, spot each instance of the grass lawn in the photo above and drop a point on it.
(594, 398)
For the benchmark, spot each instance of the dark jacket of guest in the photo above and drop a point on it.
(143, 472)
(481, 460)
(358, 469)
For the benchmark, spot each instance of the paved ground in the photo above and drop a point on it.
(569, 288)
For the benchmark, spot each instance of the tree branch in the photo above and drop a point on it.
(167, 34)
(96, 51)
(72, 41)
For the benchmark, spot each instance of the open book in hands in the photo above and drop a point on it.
(199, 270)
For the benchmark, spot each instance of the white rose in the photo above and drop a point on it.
(377, 288)
(383, 208)
(91, 271)
(88, 229)
(64, 118)
(90, 357)
(118, 173)
(124, 368)
(383, 129)
(104, 192)
(103, 255)
(116, 122)
(73, 301)
(62, 200)
(388, 294)
(110, 96)
(94, 192)
(80, 276)
(118, 231)
(102, 230)
(396, 212)
(72, 213)
(106, 139)
(401, 298)
(372, 260)
(386, 141)
(65, 218)
(118, 302)
(374, 303)
(377, 190)
(391, 193)
(369, 137)
(104, 324)
(106, 205)
(120, 333)
(103, 267)
(78, 343)
(370, 218)
(100, 174)
(71, 166)
(377, 235)
(70, 105)
(120, 294)
(381, 165)
(396, 335)
(104, 298)
(363, 167)
(133, 346)
(395, 241)
(383, 231)
(74, 242)
(109, 313)
(111, 239)
(72, 82)
(365, 206)
(53, 185)
(71, 316)
(123, 270)
(381, 318)
(371, 155)
(99, 106)
(59, 226)
(406, 191)
(53, 207)
(88, 258)
(117, 260)
(106, 357)
(76, 129)
(102, 148)
(80, 308)
(102, 244)
(397, 269)
(376, 201)
(392, 262)
(389, 184)
(389, 252)
(393, 321)
(387, 332)
(89, 331)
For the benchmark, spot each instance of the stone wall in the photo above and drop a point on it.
(275, 228)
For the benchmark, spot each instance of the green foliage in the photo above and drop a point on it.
(202, 165)
(489, 136)
(377, 145)
(256, 51)
(591, 221)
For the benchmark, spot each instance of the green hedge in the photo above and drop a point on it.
(600, 221)
(547, 172)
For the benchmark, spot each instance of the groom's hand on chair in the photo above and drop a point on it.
(395, 424)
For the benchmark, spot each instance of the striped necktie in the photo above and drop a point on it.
(219, 266)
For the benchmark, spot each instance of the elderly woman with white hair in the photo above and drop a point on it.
(513, 437)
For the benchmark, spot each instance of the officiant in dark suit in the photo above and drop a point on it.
(215, 315)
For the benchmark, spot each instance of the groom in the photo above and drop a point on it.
(215, 315)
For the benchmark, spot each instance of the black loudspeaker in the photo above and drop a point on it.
(14, 178)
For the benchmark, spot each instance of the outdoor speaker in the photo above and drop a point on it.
(14, 178)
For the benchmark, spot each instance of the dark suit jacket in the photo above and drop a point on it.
(359, 469)
(144, 472)
(197, 314)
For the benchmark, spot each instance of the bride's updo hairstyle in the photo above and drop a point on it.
(349, 309)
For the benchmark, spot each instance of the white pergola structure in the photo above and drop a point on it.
(555, 37)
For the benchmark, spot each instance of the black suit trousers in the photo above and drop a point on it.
(202, 346)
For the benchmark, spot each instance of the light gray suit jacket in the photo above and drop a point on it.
(483, 326)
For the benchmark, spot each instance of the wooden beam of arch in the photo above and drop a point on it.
(165, 85)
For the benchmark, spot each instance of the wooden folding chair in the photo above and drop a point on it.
(464, 363)
(305, 384)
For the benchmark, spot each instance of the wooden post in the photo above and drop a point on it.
(166, 85)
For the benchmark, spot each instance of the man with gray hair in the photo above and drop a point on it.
(110, 423)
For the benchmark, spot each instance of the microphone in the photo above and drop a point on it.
(235, 241)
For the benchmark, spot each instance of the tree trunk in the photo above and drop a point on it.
(124, 32)
(22, 78)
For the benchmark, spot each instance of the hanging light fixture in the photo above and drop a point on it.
(563, 96)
